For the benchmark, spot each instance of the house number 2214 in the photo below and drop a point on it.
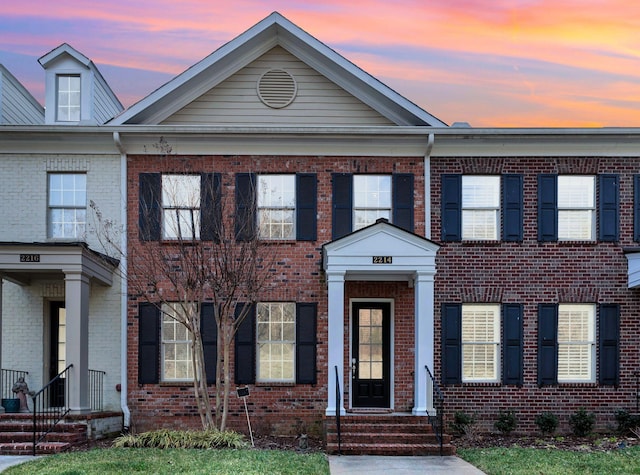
(382, 260)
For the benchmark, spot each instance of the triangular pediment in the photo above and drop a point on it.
(381, 251)
(229, 87)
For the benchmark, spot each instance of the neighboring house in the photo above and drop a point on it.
(61, 296)
(503, 260)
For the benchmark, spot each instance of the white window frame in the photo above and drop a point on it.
(169, 310)
(372, 199)
(181, 207)
(68, 98)
(276, 199)
(575, 208)
(270, 338)
(67, 200)
(481, 207)
(490, 341)
(571, 341)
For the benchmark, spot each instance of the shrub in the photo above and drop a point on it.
(547, 422)
(582, 422)
(167, 439)
(462, 422)
(506, 422)
(626, 421)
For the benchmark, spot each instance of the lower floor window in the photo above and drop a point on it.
(576, 342)
(177, 364)
(480, 342)
(276, 341)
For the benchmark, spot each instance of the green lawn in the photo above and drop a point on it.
(520, 461)
(170, 461)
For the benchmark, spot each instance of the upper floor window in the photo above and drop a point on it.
(576, 208)
(177, 364)
(480, 342)
(276, 206)
(67, 205)
(371, 199)
(181, 206)
(576, 342)
(68, 97)
(276, 330)
(480, 207)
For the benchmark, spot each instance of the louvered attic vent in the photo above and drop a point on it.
(277, 88)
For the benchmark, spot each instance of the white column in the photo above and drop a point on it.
(335, 343)
(77, 346)
(424, 341)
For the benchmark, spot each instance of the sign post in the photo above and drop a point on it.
(243, 393)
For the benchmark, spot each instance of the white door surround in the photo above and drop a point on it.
(381, 252)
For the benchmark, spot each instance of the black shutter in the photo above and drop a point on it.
(451, 207)
(149, 206)
(403, 200)
(451, 343)
(306, 342)
(245, 347)
(547, 207)
(209, 333)
(512, 349)
(342, 196)
(609, 345)
(636, 208)
(512, 207)
(306, 206)
(210, 206)
(148, 343)
(609, 203)
(547, 344)
(245, 206)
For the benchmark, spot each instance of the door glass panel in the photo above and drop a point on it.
(370, 348)
(62, 340)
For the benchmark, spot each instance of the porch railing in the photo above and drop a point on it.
(50, 406)
(436, 420)
(9, 377)
(96, 389)
(338, 406)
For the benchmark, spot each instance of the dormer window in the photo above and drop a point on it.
(68, 97)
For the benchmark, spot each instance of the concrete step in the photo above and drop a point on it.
(353, 448)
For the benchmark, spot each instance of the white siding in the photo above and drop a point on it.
(318, 101)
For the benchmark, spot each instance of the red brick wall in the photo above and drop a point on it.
(274, 407)
(531, 273)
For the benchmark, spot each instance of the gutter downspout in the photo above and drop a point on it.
(123, 285)
(427, 186)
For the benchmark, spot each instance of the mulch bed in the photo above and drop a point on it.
(594, 443)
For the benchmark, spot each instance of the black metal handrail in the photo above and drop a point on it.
(9, 377)
(338, 406)
(50, 406)
(436, 420)
(96, 391)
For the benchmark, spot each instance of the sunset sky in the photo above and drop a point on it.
(498, 63)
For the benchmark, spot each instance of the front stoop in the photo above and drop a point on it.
(388, 434)
(16, 436)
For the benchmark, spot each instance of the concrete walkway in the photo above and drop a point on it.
(383, 465)
(7, 461)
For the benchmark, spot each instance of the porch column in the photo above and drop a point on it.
(424, 341)
(77, 326)
(335, 343)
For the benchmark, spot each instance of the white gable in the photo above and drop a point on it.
(381, 251)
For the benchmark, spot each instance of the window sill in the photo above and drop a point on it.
(577, 384)
(482, 383)
(480, 242)
(278, 384)
(176, 384)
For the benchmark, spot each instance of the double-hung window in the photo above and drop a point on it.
(67, 205)
(371, 199)
(68, 97)
(480, 207)
(276, 339)
(576, 343)
(181, 206)
(177, 364)
(276, 206)
(576, 208)
(480, 342)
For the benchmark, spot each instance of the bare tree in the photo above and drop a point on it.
(192, 246)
